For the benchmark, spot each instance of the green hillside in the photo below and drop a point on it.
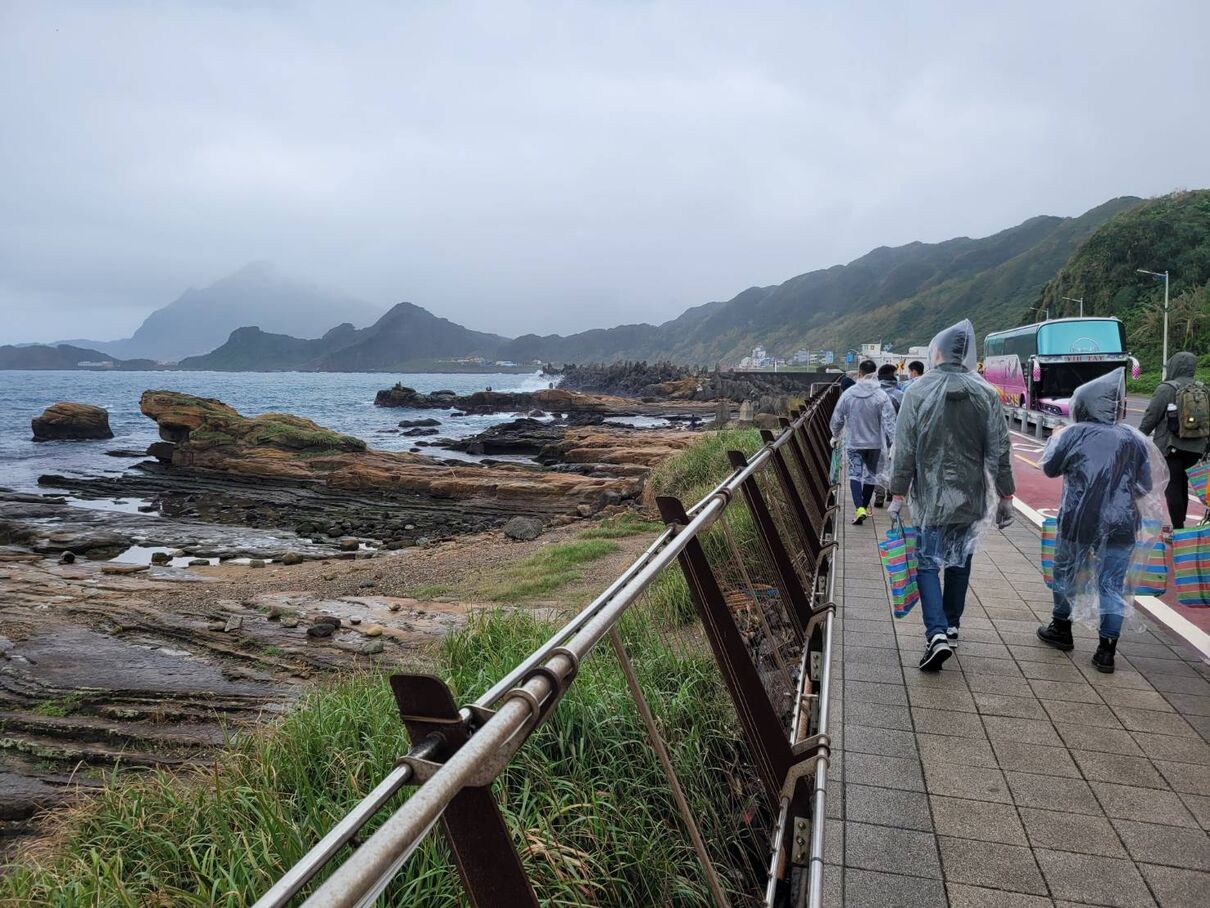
(898, 295)
(1169, 233)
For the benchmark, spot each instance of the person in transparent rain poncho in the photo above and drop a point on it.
(952, 459)
(1110, 513)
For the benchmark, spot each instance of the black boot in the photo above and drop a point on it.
(1058, 634)
(1102, 659)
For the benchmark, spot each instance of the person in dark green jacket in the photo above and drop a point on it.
(1180, 453)
(952, 456)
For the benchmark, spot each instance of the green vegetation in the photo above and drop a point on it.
(622, 527)
(59, 706)
(692, 473)
(547, 570)
(282, 430)
(1170, 233)
(429, 591)
(584, 798)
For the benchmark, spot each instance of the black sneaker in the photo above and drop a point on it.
(935, 654)
(1102, 659)
(879, 498)
(1057, 634)
(951, 637)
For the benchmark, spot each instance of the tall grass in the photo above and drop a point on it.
(584, 798)
(547, 570)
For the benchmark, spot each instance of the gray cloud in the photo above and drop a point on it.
(557, 166)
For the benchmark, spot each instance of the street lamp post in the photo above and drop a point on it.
(1164, 275)
(1072, 299)
(1044, 310)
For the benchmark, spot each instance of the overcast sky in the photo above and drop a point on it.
(557, 166)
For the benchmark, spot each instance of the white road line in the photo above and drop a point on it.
(1156, 608)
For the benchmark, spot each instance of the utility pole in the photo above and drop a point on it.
(1164, 275)
(1071, 299)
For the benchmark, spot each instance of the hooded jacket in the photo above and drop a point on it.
(891, 387)
(951, 436)
(866, 415)
(1181, 369)
(1104, 465)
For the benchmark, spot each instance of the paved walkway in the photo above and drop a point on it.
(1018, 776)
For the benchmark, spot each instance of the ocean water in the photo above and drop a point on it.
(343, 401)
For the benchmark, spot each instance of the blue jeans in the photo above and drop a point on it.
(1072, 559)
(939, 609)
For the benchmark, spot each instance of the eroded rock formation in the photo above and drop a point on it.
(72, 421)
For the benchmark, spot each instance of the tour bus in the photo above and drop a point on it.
(1038, 366)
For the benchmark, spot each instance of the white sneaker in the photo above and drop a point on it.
(935, 654)
(951, 637)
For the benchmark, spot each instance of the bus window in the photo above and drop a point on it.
(1081, 336)
(1024, 345)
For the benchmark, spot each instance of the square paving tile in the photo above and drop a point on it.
(873, 692)
(1022, 731)
(884, 772)
(870, 889)
(1050, 793)
(971, 782)
(888, 807)
(1120, 768)
(889, 850)
(1092, 878)
(1105, 740)
(887, 742)
(1176, 888)
(1069, 711)
(1078, 692)
(878, 715)
(951, 749)
(1017, 707)
(1126, 802)
(1071, 832)
(1188, 777)
(944, 722)
(1150, 720)
(964, 819)
(1173, 747)
(941, 698)
(1174, 846)
(1035, 758)
(963, 896)
(1134, 699)
(990, 864)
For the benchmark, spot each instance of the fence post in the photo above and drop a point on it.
(799, 603)
(483, 850)
(766, 735)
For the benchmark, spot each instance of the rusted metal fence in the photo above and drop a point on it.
(743, 580)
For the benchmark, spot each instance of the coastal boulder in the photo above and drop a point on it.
(76, 422)
(523, 529)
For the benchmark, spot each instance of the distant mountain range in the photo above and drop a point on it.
(200, 320)
(899, 296)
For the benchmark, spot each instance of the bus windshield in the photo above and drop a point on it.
(1082, 336)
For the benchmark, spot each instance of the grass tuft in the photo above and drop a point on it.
(584, 798)
(547, 570)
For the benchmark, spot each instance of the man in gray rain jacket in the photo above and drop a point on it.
(866, 416)
(951, 439)
(1180, 453)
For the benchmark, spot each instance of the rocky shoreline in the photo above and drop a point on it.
(145, 616)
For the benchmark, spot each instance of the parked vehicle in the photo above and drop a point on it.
(1039, 366)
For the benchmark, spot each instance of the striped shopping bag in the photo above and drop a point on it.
(898, 554)
(1191, 565)
(1148, 574)
(1199, 474)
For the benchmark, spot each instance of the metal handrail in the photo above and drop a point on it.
(368, 870)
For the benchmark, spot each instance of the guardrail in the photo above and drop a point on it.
(756, 558)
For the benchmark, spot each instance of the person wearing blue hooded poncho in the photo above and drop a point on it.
(1112, 502)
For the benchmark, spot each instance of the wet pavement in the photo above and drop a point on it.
(1018, 776)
